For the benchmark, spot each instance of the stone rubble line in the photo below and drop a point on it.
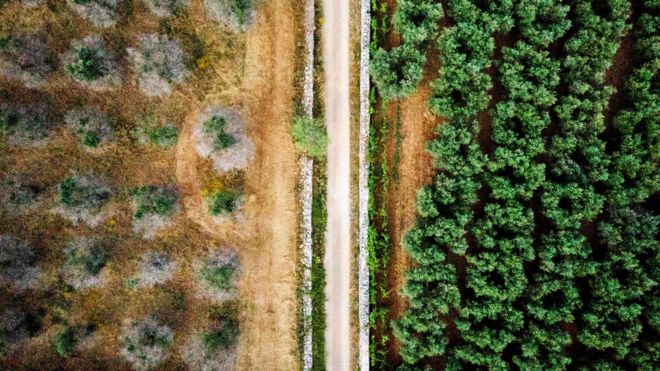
(363, 189)
(306, 169)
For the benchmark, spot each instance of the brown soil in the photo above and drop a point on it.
(415, 170)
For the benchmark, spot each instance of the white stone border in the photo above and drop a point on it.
(306, 179)
(363, 189)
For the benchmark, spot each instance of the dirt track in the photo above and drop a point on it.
(338, 246)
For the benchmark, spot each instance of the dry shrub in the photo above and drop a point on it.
(102, 13)
(27, 58)
(91, 64)
(26, 124)
(166, 8)
(82, 198)
(237, 15)
(13, 330)
(21, 193)
(85, 260)
(155, 268)
(217, 275)
(144, 343)
(198, 356)
(159, 63)
(238, 152)
(154, 208)
(29, 4)
(92, 127)
(17, 264)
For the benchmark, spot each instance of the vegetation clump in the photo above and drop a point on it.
(13, 329)
(214, 348)
(85, 258)
(26, 124)
(218, 274)
(149, 130)
(223, 204)
(144, 343)
(237, 15)
(17, 264)
(101, 13)
(26, 57)
(220, 135)
(155, 268)
(20, 193)
(92, 127)
(310, 136)
(166, 8)
(159, 63)
(91, 64)
(70, 338)
(153, 208)
(81, 199)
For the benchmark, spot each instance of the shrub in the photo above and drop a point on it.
(144, 343)
(17, 264)
(151, 199)
(220, 135)
(27, 58)
(84, 260)
(310, 136)
(398, 72)
(222, 203)
(218, 274)
(91, 64)
(237, 15)
(154, 207)
(417, 21)
(102, 13)
(214, 348)
(26, 124)
(159, 63)
(92, 126)
(149, 130)
(20, 193)
(81, 199)
(65, 342)
(13, 330)
(155, 268)
(166, 8)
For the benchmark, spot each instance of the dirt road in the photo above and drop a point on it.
(338, 246)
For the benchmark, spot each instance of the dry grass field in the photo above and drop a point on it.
(251, 71)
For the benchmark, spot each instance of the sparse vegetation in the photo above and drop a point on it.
(149, 130)
(92, 126)
(155, 268)
(18, 269)
(81, 199)
(145, 343)
(91, 64)
(166, 8)
(237, 15)
(159, 63)
(310, 136)
(26, 57)
(26, 124)
(214, 348)
(151, 199)
(84, 258)
(20, 193)
(224, 203)
(218, 274)
(221, 136)
(101, 13)
(12, 330)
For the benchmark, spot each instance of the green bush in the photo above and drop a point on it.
(150, 130)
(65, 342)
(83, 192)
(223, 202)
(86, 65)
(219, 277)
(151, 199)
(310, 136)
(216, 126)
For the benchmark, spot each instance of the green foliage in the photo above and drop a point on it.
(65, 341)
(151, 199)
(149, 130)
(398, 72)
(223, 202)
(219, 277)
(310, 136)
(87, 65)
(82, 192)
(242, 9)
(217, 126)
